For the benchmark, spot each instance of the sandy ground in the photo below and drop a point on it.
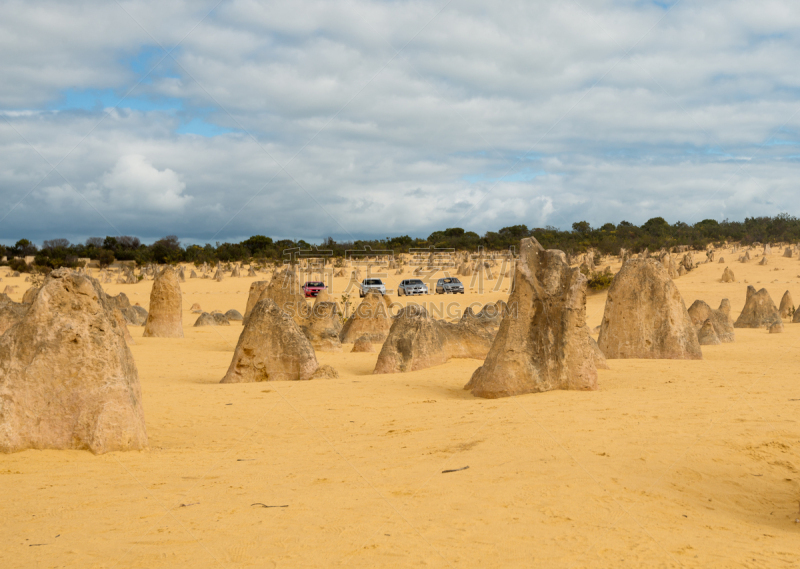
(669, 464)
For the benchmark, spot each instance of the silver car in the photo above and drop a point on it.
(368, 285)
(410, 287)
(449, 284)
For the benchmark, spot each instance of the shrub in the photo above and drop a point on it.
(600, 281)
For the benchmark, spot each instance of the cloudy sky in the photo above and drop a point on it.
(303, 119)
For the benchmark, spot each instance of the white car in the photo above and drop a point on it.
(411, 287)
(368, 285)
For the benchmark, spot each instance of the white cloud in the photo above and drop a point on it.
(384, 114)
(134, 183)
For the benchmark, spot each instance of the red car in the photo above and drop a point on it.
(313, 288)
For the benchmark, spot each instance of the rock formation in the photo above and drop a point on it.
(362, 344)
(123, 326)
(700, 313)
(234, 315)
(599, 357)
(787, 252)
(271, 348)
(164, 318)
(30, 294)
(370, 318)
(763, 261)
(10, 312)
(134, 315)
(727, 276)
(67, 377)
(545, 345)
(776, 328)
(645, 316)
(284, 289)
(257, 288)
(707, 335)
(490, 316)
(417, 341)
(786, 309)
(212, 319)
(759, 310)
(323, 326)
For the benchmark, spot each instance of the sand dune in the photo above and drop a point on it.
(670, 463)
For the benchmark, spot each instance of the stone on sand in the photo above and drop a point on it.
(543, 343)
(271, 347)
(707, 335)
(322, 327)
(256, 290)
(786, 309)
(759, 310)
(67, 376)
(700, 313)
(370, 318)
(727, 275)
(645, 316)
(362, 345)
(211, 319)
(234, 315)
(164, 317)
(418, 341)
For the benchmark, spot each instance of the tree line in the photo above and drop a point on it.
(608, 239)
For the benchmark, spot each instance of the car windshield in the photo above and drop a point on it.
(315, 284)
(373, 282)
(451, 281)
(414, 282)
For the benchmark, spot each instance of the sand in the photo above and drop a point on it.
(669, 464)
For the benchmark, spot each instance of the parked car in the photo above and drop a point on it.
(411, 287)
(313, 288)
(371, 284)
(450, 284)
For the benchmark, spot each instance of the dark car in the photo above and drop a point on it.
(313, 288)
(449, 285)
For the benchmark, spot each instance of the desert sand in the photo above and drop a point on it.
(671, 463)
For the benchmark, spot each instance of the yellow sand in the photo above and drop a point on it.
(670, 463)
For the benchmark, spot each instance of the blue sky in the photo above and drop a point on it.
(359, 119)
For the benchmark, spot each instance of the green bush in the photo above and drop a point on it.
(600, 281)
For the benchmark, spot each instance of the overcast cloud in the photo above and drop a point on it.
(301, 119)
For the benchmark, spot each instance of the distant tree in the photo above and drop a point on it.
(105, 258)
(23, 248)
(56, 244)
(130, 243)
(166, 250)
(656, 226)
(96, 242)
(257, 243)
(581, 227)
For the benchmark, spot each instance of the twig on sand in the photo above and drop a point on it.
(455, 469)
(187, 505)
(265, 506)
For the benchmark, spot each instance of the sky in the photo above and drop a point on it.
(219, 120)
